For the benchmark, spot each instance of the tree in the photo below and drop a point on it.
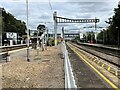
(100, 37)
(11, 24)
(90, 36)
(112, 34)
(41, 29)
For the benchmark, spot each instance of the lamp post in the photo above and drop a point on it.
(37, 42)
(28, 56)
(46, 37)
(96, 29)
(55, 26)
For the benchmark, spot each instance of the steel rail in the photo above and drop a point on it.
(98, 56)
(107, 50)
(104, 64)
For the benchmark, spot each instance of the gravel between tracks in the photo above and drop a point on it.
(44, 71)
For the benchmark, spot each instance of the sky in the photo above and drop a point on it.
(41, 11)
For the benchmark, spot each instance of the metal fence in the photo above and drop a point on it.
(69, 77)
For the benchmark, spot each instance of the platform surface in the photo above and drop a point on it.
(43, 71)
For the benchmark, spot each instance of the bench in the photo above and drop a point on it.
(4, 56)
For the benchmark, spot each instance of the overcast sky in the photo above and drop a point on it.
(40, 11)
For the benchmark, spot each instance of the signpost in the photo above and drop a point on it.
(28, 37)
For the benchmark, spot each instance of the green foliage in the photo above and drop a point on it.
(112, 34)
(90, 37)
(35, 34)
(51, 41)
(41, 29)
(75, 39)
(100, 37)
(11, 24)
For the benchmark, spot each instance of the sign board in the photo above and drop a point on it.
(11, 35)
(81, 35)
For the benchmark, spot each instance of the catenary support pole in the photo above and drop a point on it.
(37, 43)
(55, 26)
(96, 28)
(63, 33)
(28, 56)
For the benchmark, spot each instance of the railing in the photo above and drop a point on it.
(69, 77)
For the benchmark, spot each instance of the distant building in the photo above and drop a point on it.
(81, 35)
(70, 36)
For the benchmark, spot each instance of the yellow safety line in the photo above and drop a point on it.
(116, 73)
(103, 65)
(108, 81)
(94, 60)
(108, 69)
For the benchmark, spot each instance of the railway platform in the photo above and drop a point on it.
(101, 45)
(64, 66)
(45, 70)
(88, 74)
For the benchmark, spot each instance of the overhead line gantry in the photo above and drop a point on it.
(67, 20)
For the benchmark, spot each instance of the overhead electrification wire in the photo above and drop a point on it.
(51, 9)
(50, 6)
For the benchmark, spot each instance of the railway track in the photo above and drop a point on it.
(10, 48)
(109, 51)
(111, 66)
(6, 50)
(102, 54)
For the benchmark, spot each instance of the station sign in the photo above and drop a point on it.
(11, 35)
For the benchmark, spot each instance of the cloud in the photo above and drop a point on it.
(40, 11)
(60, 0)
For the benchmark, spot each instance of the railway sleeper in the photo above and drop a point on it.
(107, 67)
(118, 73)
(97, 61)
(110, 69)
(114, 71)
